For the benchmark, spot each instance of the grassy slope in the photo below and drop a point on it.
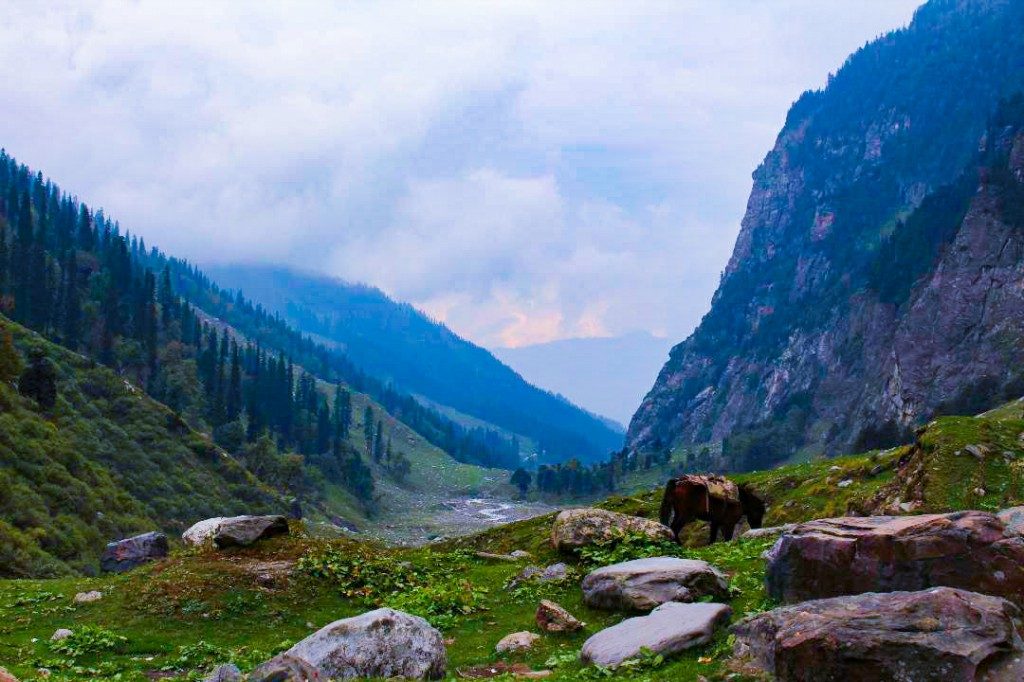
(199, 597)
(104, 462)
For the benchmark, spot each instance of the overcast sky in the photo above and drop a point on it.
(523, 171)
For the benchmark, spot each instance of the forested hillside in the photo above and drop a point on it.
(395, 341)
(73, 275)
(86, 456)
(872, 283)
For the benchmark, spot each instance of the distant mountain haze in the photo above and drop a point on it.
(396, 342)
(607, 375)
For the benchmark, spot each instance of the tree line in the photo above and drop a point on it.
(70, 273)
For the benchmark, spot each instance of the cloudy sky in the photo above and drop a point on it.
(524, 171)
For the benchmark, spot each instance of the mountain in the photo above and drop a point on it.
(398, 343)
(607, 375)
(875, 280)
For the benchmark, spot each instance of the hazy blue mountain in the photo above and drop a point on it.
(608, 376)
(396, 342)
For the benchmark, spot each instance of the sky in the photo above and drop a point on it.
(522, 171)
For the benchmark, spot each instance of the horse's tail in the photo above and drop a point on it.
(666, 502)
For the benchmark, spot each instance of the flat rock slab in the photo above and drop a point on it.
(124, 555)
(852, 555)
(575, 528)
(943, 634)
(643, 584)
(235, 531)
(382, 643)
(668, 629)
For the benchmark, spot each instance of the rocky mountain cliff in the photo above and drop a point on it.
(877, 277)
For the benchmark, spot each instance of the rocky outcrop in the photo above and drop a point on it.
(941, 634)
(124, 555)
(851, 555)
(575, 528)
(516, 642)
(819, 336)
(383, 643)
(235, 531)
(667, 630)
(643, 584)
(552, 617)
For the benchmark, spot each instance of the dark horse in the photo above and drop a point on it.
(687, 499)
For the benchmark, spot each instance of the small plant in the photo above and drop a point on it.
(626, 547)
(441, 604)
(88, 640)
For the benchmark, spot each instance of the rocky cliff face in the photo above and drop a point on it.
(877, 277)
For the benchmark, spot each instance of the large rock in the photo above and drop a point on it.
(643, 584)
(227, 672)
(1013, 521)
(124, 555)
(942, 634)
(667, 630)
(6, 676)
(771, 531)
(235, 531)
(851, 555)
(382, 643)
(574, 528)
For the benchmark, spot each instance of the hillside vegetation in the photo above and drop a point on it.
(196, 609)
(105, 461)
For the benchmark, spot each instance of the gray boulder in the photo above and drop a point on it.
(668, 629)
(553, 617)
(768, 532)
(383, 643)
(553, 573)
(516, 642)
(228, 672)
(1013, 521)
(235, 531)
(941, 635)
(124, 555)
(643, 584)
(575, 528)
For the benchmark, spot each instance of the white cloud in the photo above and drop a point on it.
(524, 170)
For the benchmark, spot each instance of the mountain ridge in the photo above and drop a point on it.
(854, 172)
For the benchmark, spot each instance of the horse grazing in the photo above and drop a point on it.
(714, 499)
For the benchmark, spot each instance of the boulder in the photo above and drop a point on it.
(382, 643)
(667, 630)
(852, 555)
(59, 634)
(235, 531)
(771, 531)
(1013, 521)
(6, 676)
(574, 528)
(942, 634)
(643, 584)
(124, 555)
(201, 532)
(517, 641)
(228, 672)
(551, 617)
(88, 597)
(552, 573)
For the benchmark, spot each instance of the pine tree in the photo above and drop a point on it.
(368, 427)
(342, 412)
(378, 442)
(233, 401)
(72, 302)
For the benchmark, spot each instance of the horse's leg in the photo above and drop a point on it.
(727, 531)
(714, 532)
(677, 525)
